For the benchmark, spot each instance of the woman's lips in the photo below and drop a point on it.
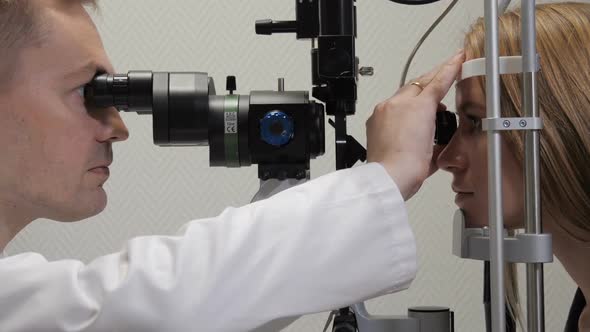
(462, 198)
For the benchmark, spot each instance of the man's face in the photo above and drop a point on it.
(51, 143)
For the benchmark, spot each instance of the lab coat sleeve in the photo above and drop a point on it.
(338, 240)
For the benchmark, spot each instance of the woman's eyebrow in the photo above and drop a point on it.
(462, 108)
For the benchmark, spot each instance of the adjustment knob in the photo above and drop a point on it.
(277, 128)
(366, 71)
(230, 84)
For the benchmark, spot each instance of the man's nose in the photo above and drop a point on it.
(452, 158)
(112, 127)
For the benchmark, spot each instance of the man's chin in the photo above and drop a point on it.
(83, 208)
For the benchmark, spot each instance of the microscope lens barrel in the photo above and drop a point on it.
(140, 91)
(179, 102)
(127, 92)
(99, 92)
(181, 109)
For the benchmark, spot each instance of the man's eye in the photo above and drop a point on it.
(80, 91)
(78, 97)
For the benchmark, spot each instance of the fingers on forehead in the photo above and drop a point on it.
(442, 81)
(428, 77)
(437, 75)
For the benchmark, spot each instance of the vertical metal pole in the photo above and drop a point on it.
(495, 168)
(534, 272)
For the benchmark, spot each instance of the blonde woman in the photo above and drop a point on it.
(563, 42)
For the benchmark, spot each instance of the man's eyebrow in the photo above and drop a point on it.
(86, 70)
(462, 108)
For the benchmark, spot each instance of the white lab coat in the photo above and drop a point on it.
(338, 240)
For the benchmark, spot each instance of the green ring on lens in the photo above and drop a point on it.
(230, 137)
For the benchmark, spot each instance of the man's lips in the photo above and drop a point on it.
(102, 170)
(104, 164)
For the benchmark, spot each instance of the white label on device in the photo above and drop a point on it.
(231, 122)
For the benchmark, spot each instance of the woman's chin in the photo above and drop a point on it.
(472, 221)
(474, 224)
(482, 221)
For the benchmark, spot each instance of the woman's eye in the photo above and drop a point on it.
(474, 122)
(471, 123)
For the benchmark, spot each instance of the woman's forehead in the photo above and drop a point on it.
(470, 95)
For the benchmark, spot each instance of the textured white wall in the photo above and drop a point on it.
(155, 190)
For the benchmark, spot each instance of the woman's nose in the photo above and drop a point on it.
(452, 158)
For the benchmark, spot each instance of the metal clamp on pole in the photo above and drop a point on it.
(474, 243)
(504, 124)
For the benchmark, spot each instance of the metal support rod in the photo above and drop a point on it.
(281, 86)
(494, 168)
(534, 272)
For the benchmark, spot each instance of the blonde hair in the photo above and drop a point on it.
(563, 43)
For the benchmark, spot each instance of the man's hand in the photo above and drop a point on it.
(400, 133)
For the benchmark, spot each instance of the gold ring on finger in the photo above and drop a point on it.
(418, 84)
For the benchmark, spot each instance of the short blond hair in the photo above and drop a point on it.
(17, 30)
(20, 27)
